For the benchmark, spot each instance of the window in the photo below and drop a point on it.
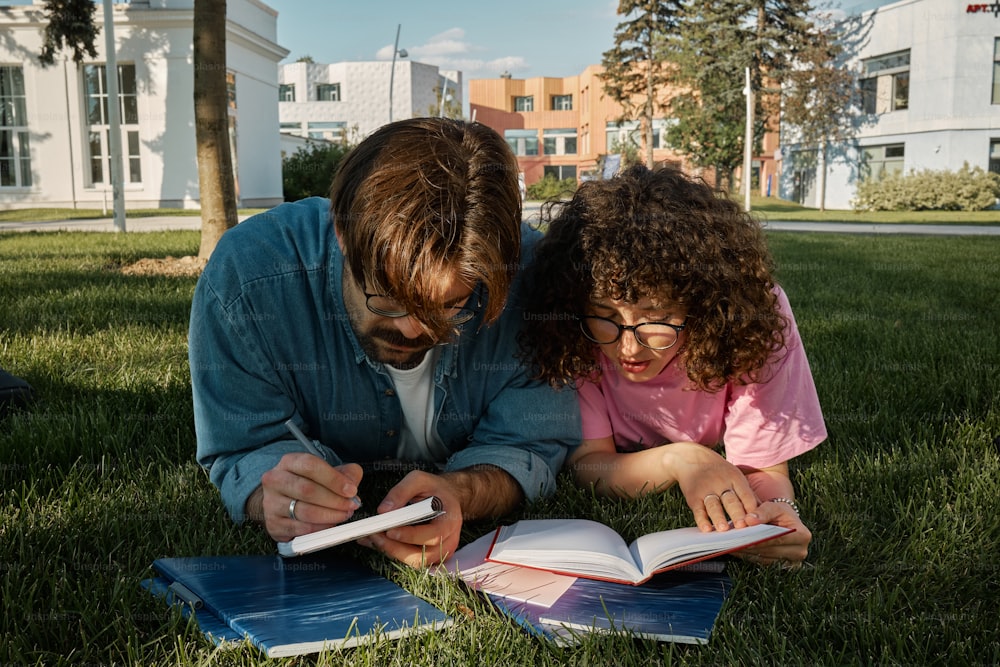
(335, 131)
(560, 171)
(15, 150)
(559, 142)
(621, 136)
(524, 103)
(878, 162)
(996, 72)
(328, 92)
(522, 142)
(562, 102)
(995, 156)
(99, 125)
(286, 92)
(885, 83)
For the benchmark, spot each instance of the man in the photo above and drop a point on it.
(379, 322)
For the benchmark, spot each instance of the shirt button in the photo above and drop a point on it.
(390, 433)
(390, 392)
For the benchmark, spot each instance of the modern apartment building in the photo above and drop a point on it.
(563, 126)
(930, 97)
(54, 122)
(350, 100)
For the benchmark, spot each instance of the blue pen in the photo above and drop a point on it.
(311, 447)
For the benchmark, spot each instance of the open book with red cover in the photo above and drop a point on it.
(584, 548)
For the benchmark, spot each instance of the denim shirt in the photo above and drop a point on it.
(270, 340)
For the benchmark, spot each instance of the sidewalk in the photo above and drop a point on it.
(531, 214)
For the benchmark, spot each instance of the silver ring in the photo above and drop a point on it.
(725, 492)
(291, 510)
(705, 499)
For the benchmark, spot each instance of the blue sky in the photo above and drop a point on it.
(527, 38)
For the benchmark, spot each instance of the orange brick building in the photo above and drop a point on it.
(562, 126)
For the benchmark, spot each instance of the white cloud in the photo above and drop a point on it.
(449, 50)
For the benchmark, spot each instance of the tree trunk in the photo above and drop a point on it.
(216, 185)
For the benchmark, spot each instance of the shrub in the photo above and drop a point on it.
(551, 187)
(309, 171)
(965, 190)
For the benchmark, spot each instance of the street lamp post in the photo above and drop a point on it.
(392, 73)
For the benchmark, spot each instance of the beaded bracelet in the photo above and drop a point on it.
(794, 505)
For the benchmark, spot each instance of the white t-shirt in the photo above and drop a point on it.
(415, 388)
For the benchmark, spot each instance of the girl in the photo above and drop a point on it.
(656, 301)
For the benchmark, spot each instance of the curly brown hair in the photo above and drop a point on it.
(660, 234)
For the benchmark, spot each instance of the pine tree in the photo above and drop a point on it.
(715, 44)
(635, 72)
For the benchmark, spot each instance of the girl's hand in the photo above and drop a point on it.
(716, 491)
(787, 550)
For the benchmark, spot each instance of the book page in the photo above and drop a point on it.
(509, 581)
(577, 546)
(658, 550)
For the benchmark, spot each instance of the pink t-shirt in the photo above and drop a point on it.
(761, 424)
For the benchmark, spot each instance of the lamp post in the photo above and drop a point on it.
(392, 73)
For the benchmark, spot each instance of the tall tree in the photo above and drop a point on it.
(820, 100)
(715, 44)
(635, 71)
(216, 184)
(711, 50)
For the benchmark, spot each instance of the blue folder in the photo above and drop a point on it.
(291, 607)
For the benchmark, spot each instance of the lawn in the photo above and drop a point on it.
(98, 479)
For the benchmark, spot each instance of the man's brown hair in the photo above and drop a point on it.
(426, 195)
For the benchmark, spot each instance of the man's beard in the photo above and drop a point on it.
(370, 343)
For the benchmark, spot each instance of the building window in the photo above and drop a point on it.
(99, 125)
(15, 150)
(620, 137)
(562, 102)
(559, 171)
(522, 142)
(878, 162)
(885, 83)
(524, 103)
(559, 142)
(995, 156)
(286, 92)
(335, 131)
(328, 92)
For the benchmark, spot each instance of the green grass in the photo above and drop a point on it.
(57, 214)
(772, 208)
(98, 479)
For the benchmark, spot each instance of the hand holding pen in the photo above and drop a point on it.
(301, 495)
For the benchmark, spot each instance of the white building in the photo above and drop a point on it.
(930, 90)
(351, 99)
(54, 124)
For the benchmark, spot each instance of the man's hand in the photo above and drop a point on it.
(472, 493)
(323, 496)
(421, 544)
(789, 549)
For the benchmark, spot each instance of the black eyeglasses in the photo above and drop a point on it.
(654, 335)
(385, 306)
